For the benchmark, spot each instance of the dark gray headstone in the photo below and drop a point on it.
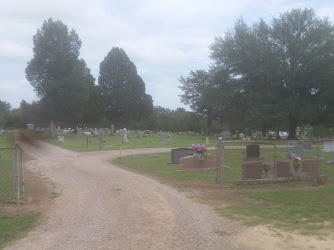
(227, 135)
(178, 153)
(252, 151)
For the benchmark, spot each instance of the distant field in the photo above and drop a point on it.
(73, 142)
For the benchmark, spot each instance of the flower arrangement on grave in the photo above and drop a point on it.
(296, 159)
(200, 149)
(295, 162)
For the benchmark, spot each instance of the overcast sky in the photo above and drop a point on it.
(165, 39)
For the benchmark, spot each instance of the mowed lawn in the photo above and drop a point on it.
(91, 143)
(298, 206)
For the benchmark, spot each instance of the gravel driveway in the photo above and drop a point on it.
(102, 206)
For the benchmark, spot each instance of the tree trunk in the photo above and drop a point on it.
(52, 129)
(292, 129)
(208, 124)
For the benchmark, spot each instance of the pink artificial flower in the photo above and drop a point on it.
(297, 159)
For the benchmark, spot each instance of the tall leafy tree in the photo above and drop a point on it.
(283, 68)
(58, 76)
(4, 112)
(203, 91)
(122, 89)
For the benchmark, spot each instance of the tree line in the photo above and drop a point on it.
(273, 76)
(276, 76)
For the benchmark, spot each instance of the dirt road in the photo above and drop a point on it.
(102, 206)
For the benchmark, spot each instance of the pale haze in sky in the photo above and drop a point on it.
(164, 39)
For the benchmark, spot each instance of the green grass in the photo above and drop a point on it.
(16, 227)
(75, 143)
(158, 166)
(5, 141)
(307, 211)
(7, 188)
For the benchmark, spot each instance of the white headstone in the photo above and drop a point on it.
(125, 136)
(329, 146)
(207, 141)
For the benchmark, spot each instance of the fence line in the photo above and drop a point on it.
(245, 162)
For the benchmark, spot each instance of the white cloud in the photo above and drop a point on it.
(15, 92)
(11, 51)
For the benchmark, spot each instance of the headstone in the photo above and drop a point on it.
(246, 139)
(292, 144)
(252, 170)
(311, 167)
(125, 136)
(30, 126)
(164, 137)
(257, 135)
(112, 130)
(137, 134)
(227, 135)
(329, 146)
(241, 135)
(79, 133)
(87, 133)
(121, 132)
(192, 163)
(102, 137)
(58, 127)
(60, 139)
(297, 150)
(252, 151)
(282, 169)
(178, 153)
(207, 141)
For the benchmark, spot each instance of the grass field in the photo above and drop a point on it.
(308, 211)
(291, 206)
(73, 142)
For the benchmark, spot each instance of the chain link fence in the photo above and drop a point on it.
(11, 174)
(251, 162)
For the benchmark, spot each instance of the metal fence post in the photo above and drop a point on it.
(219, 158)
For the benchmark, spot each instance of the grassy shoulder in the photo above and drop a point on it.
(16, 227)
(5, 140)
(297, 207)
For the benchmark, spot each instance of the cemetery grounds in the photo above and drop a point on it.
(273, 205)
